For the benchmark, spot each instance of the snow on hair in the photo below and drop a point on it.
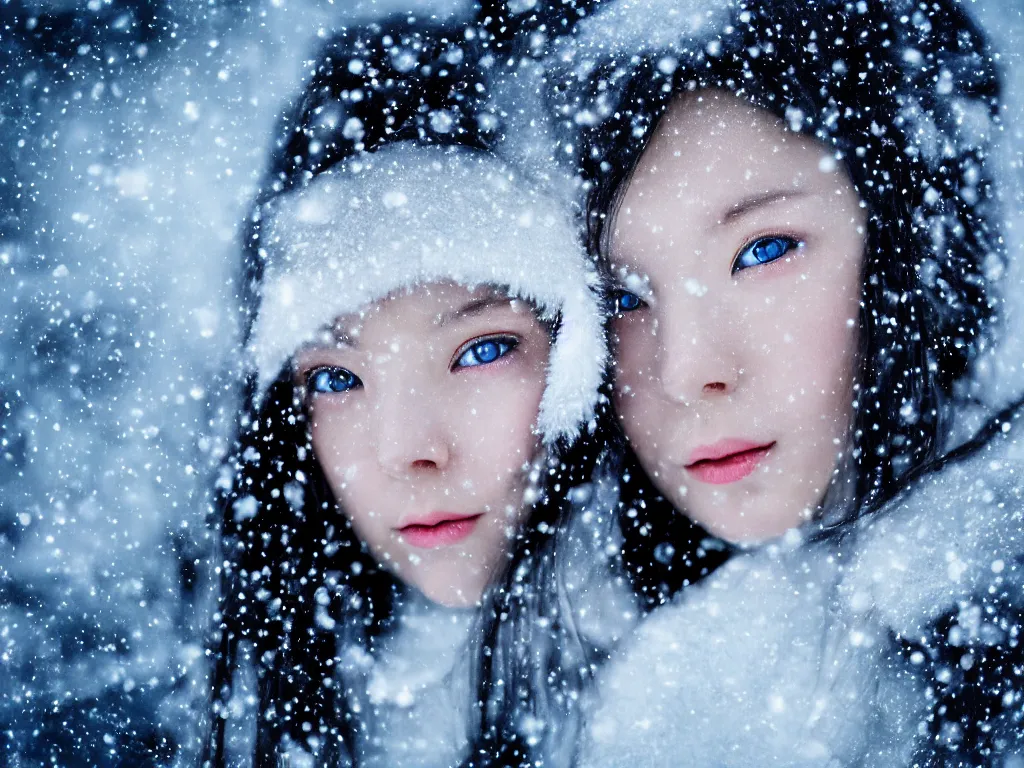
(635, 27)
(408, 215)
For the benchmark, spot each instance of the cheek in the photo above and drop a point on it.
(332, 445)
(339, 443)
(831, 361)
(634, 346)
(805, 346)
(803, 356)
(635, 351)
(805, 314)
(495, 428)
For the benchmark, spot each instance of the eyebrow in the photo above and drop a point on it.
(341, 337)
(471, 308)
(760, 200)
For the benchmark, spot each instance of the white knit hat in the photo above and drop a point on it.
(410, 214)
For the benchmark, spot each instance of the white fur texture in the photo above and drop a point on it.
(941, 542)
(785, 656)
(529, 141)
(409, 215)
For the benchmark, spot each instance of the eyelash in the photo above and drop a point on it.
(637, 303)
(504, 342)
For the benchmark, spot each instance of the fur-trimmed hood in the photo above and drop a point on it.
(456, 180)
(411, 214)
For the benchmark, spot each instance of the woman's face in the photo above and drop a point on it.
(422, 412)
(738, 248)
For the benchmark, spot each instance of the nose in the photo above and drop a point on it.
(696, 361)
(410, 438)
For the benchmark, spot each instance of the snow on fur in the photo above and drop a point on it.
(410, 215)
(941, 542)
(746, 668)
(636, 27)
(792, 654)
(528, 138)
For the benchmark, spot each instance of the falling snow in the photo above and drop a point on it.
(136, 135)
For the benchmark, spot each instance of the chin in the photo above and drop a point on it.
(758, 535)
(458, 602)
(752, 529)
(451, 593)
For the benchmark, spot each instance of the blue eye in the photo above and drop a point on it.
(764, 250)
(625, 301)
(328, 380)
(484, 352)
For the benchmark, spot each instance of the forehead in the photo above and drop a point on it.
(421, 309)
(712, 148)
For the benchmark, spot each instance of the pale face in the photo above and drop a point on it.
(739, 247)
(423, 410)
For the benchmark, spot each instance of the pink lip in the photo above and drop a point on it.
(727, 460)
(439, 529)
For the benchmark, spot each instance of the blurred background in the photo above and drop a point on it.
(133, 135)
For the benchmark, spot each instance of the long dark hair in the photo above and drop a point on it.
(534, 662)
(900, 92)
(291, 566)
(297, 583)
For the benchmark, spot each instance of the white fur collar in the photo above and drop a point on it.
(947, 538)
